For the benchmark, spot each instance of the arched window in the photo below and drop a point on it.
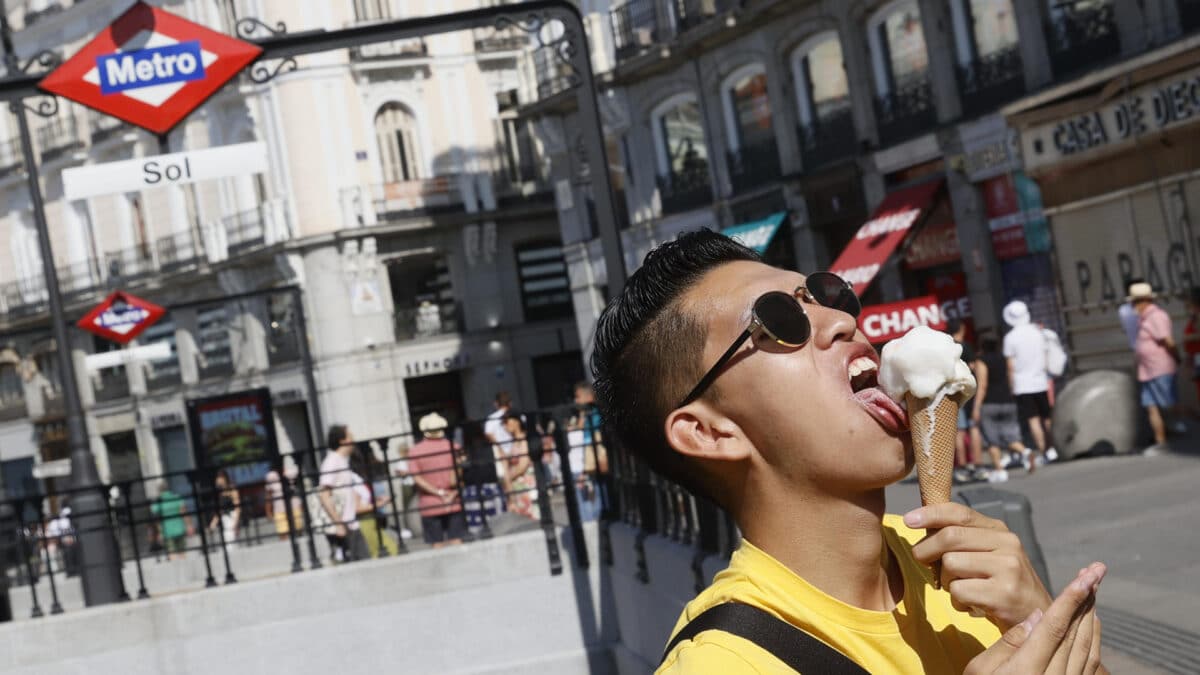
(823, 99)
(747, 108)
(990, 71)
(395, 131)
(679, 136)
(899, 56)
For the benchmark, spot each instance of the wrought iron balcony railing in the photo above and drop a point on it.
(489, 39)
(634, 26)
(79, 278)
(12, 406)
(692, 13)
(10, 157)
(404, 199)
(178, 251)
(552, 74)
(906, 111)
(685, 190)
(753, 165)
(392, 49)
(245, 231)
(24, 296)
(829, 137)
(60, 135)
(128, 264)
(1080, 38)
(427, 320)
(991, 80)
(112, 384)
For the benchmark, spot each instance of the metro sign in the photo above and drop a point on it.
(150, 68)
(121, 317)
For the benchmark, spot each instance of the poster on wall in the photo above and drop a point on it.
(235, 432)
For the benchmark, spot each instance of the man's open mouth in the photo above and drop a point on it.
(863, 373)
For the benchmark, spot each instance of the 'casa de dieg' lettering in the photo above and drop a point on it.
(1146, 109)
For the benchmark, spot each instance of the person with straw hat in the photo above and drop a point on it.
(431, 463)
(1157, 358)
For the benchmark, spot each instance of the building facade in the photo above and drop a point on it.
(845, 120)
(404, 229)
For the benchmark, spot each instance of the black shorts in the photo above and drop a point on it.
(445, 527)
(1033, 405)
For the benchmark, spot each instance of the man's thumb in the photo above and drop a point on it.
(995, 656)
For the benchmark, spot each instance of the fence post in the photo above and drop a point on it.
(22, 541)
(127, 488)
(286, 489)
(398, 507)
(314, 560)
(115, 524)
(569, 493)
(202, 528)
(55, 607)
(536, 453)
(229, 578)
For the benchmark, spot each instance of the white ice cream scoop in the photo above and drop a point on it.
(925, 363)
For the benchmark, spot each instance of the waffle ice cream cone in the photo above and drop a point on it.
(933, 424)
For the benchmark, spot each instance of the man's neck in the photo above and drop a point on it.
(835, 544)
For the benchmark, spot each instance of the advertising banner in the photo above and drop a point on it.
(881, 323)
(235, 432)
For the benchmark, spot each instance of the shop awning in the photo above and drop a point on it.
(880, 236)
(756, 234)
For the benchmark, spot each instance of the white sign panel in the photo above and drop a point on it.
(152, 352)
(59, 468)
(177, 168)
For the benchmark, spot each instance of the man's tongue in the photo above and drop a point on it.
(885, 411)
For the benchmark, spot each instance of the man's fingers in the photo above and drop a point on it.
(1081, 649)
(1093, 662)
(963, 538)
(1062, 656)
(990, 661)
(950, 513)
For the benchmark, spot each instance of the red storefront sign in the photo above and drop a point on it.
(936, 244)
(880, 236)
(1005, 218)
(881, 323)
(121, 317)
(150, 68)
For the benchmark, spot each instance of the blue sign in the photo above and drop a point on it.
(756, 234)
(180, 62)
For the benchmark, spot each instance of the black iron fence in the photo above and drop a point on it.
(245, 230)
(991, 80)
(754, 165)
(1082, 35)
(178, 251)
(128, 264)
(906, 111)
(634, 26)
(828, 137)
(260, 517)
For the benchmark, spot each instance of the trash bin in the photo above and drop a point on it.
(1015, 511)
(1097, 413)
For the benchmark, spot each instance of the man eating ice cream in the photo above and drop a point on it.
(750, 385)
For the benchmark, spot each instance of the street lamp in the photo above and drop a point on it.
(100, 559)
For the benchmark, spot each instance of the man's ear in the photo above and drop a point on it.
(699, 431)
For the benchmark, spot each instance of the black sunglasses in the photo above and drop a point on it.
(783, 319)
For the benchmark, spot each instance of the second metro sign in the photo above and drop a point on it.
(150, 68)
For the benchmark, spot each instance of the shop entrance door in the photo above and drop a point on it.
(434, 393)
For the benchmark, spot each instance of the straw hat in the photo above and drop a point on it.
(1141, 291)
(433, 425)
(1016, 313)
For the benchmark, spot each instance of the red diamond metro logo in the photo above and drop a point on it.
(150, 68)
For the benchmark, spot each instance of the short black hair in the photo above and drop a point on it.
(953, 325)
(647, 347)
(337, 434)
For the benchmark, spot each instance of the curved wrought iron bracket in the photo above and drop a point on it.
(564, 47)
(46, 58)
(247, 28)
(46, 106)
(265, 71)
(261, 72)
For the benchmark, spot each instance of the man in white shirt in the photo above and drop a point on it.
(335, 491)
(493, 428)
(1025, 351)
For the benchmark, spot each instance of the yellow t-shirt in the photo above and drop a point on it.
(923, 634)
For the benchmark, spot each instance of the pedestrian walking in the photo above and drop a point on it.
(994, 410)
(587, 453)
(966, 449)
(1158, 359)
(229, 509)
(520, 481)
(432, 465)
(369, 501)
(1025, 352)
(335, 492)
(173, 524)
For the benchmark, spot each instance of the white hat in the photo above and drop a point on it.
(1141, 291)
(1016, 313)
(433, 425)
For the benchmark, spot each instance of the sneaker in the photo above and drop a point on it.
(1051, 454)
(1039, 461)
(998, 476)
(1156, 450)
(962, 476)
(981, 474)
(1015, 459)
(1026, 462)
(406, 533)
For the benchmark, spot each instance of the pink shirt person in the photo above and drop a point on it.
(1153, 359)
(432, 460)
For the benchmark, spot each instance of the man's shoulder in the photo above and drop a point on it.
(713, 652)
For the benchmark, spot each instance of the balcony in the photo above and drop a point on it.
(111, 384)
(1189, 15)
(692, 13)
(829, 137)
(178, 251)
(753, 166)
(553, 75)
(129, 264)
(10, 157)
(906, 111)
(1080, 38)
(53, 405)
(390, 202)
(24, 297)
(12, 407)
(509, 39)
(58, 137)
(686, 190)
(427, 320)
(392, 49)
(245, 231)
(635, 27)
(991, 80)
(103, 127)
(78, 279)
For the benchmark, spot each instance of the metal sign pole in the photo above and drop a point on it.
(100, 571)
